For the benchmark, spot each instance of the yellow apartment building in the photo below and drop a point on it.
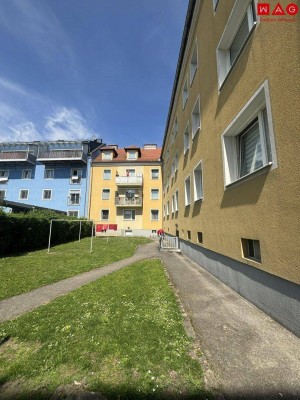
(230, 151)
(126, 190)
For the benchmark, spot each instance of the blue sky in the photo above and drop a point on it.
(73, 69)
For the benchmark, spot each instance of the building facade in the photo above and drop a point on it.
(230, 182)
(51, 175)
(126, 190)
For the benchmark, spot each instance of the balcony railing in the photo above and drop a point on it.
(136, 180)
(129, 202)
(17, 156)
(62, 155)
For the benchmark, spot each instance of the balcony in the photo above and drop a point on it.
(128, 202)
(17, 156)
(136, 180)
(62, 155)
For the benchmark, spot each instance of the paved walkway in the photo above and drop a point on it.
(249, 355)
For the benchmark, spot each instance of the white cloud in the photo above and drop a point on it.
(24, 132)
(15, 88)
(67, 124)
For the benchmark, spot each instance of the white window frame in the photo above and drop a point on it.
(196, 118)
(173, 203)
(186, 138)
(24, 171)
(239, 10)
(4, 177)
(164, 211)
(187, 193)
(74, 191)
(106, 155)
(133, 214)
(193, 63)
(130, 171)
(73, 211)
(155, 169)
(168, 209)
(252, 109)
(106, 191)
(75, 181)
(104, 171)
(176, 200)
(185, 93)
(158, 194)
(197, 195)
(49, 169)
(43, 198)
(23, 190)
(215, 4)
(131, 154)
(151, 215)
(101, 211)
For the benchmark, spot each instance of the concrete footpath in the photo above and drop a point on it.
(247, 354)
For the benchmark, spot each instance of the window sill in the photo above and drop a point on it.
(250, 176)
(198, 200)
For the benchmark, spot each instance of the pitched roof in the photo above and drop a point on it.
(147, 155)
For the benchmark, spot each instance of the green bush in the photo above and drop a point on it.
(26, 232)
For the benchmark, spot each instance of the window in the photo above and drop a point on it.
(24, 194)
(49, 174)
(193, 63)
(129, 215)
(47, 194)
(107, 174)
(76, 175)
(4, 176)
(238, 29)
(215, 4)
(187, 188)
(26, 174)
(168, 209)
(175, 129)
(198, 183)
(106, 155)
(154, 215)
(189, 235)
(164, 211)
(104, 215)
(185, 93)
(251, 249)
(105, 194)
(199, 237)
(173, 204)
(186, 138)
(154, 173)
(154, 194)
(173, 168)
(130, 172)
(176, 161)
(2, 194)
(248, 142)
(196, 122)
(176, 201)
(131, 154)
(73, 213)
(74, 197)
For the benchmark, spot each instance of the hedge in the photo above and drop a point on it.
(26, 232)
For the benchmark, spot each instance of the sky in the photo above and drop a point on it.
(78, 69)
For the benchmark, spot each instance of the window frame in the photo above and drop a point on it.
(132, 212)
(75, 182)
(185, 93)
(196, 129)
(2, 191)
(5, 175)
(151, 214)
(43, 192)
(186, 134)
(151, 194)
(200, 164)
(258, 106)
(24, 190)
(103, 176)
(73, 211)
(193, 67)
(238, 13)
(74, 191)
(26, 170)
(49, 169)
(107, 191)
(101, 214)
(155, 169)
(187, 194)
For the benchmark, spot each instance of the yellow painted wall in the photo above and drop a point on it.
(266, 207)
(142, 214)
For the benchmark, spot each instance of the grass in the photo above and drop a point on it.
(122, 336)
(20, 274)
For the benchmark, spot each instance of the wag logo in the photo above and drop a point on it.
(279, 12)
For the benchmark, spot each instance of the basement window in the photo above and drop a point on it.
(200, 237)
(251, 249)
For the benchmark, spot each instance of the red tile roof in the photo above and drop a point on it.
(147, 155)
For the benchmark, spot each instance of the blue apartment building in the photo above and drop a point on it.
(52, 174)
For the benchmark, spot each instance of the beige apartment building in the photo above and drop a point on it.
(230, 151)
(126, 190)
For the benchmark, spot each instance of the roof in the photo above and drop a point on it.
(147, 155)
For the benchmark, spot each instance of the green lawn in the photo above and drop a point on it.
(23, 273)
(122, 336)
